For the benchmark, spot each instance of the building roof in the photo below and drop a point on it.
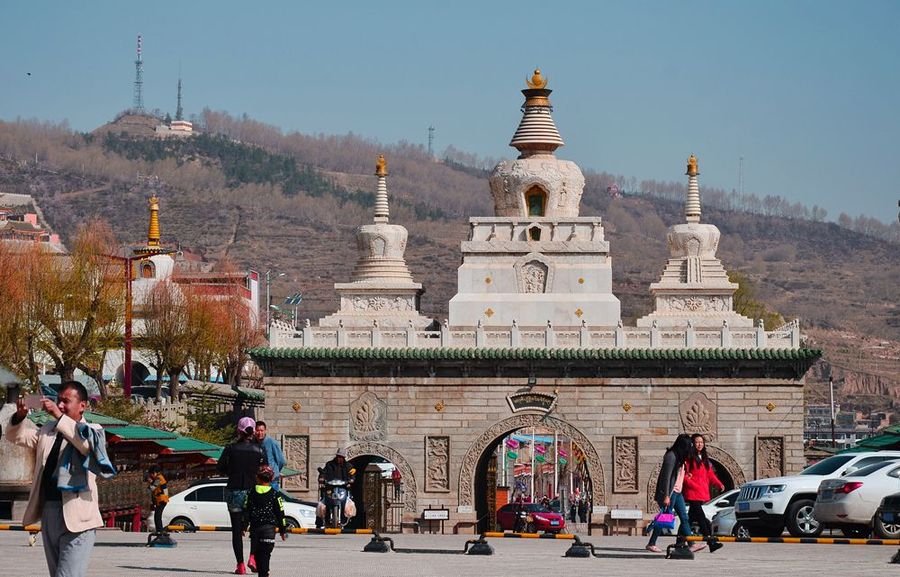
(41, 417)
(139, 433)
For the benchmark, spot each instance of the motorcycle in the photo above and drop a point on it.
(335, 501)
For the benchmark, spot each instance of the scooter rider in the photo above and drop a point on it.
(337, 469)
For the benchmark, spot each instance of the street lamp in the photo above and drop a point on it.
(269, 279)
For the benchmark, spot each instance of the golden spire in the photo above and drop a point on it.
(381, 166)
(153, 232)
(536, 81)
(692, 168)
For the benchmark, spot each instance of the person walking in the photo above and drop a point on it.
(239, 462)
(63, 494)
(264, 515)
(272, 450)
(668, 490)
(699, 475)
(159, 496)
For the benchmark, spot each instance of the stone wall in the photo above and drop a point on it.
(755, 427)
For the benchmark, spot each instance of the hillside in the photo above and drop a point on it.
(291, 203)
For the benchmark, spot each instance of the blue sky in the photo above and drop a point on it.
(808, 92)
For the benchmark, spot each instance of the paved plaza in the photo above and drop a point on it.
(118, 554)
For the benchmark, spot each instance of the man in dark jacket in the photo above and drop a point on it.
(338, 469)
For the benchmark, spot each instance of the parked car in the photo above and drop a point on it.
(889, 512)
(723, 501)
(724, 522)
(767, 506)
(851, 503)
(538, 518)
(203, 503)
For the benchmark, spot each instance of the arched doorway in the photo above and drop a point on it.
(488, 465)
(361, 456)
(379, 500)
(726, 467)
(139, 373)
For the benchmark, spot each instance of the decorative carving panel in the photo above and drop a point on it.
(769, 457)
(698, 415)
(437, 464)
(296, 454)
(625, 465)
(368, 418)
(534, 277)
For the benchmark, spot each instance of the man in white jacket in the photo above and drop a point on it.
(68, 518)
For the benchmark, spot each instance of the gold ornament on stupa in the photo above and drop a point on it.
(536, 81)
(692, 168)
(153, 230)
(381, 166)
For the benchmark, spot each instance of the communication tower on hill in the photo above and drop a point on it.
(179, 113)
(431, 141)
(138, 104)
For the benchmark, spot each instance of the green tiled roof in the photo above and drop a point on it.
(880, 441)
(413, 353)
(186, 445)
(41, 417)
(140, 433)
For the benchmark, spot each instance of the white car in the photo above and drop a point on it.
(851, 503)
(204, 504)
(768, 506)
(724, 522)
(716, 504)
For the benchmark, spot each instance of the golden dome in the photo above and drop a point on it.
(692, 168)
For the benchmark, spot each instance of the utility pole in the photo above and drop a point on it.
(741, 175)
(268, 297)
(831, 388)
(431, 141)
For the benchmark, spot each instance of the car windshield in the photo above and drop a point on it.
(537, 508)
(871, 469)
(827, 466)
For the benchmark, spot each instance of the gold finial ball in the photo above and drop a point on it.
(381, 166)
(692, 168)
(536, 80)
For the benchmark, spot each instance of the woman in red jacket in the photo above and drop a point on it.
(698, 477)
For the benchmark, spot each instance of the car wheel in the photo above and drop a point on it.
(188, 525)
(740, 531)
(291, 523)
(885, 530)
(800, 520)
(856, 531)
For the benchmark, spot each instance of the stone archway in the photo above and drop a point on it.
(716, 454)
(477, 449)
(410, 494)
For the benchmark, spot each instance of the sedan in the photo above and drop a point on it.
(204, 504)
(851, 503)
(537, 518)
(725, 522)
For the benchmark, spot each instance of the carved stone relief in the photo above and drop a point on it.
(698, 415)
(534, 277)
(410, 488)
(296, 454)
(495, 432)
(695, 304)
(437, 464)
(376, 304)
(769, 457)
(625, 465)
(368, 418)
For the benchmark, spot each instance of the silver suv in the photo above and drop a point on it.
(767, 506)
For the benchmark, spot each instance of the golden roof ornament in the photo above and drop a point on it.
(537, 81)
(153, 230)
(381, 166)
(692, 168)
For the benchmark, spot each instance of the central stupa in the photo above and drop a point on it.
(536, 262)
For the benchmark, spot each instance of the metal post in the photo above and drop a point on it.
(268, 301)
(556, 466)
(532, 464)
(127, 372)
(831, 389)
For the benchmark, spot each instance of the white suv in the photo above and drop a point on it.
(768, 506)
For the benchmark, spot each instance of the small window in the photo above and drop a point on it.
(214, 493)
(536, 201)
(146, 270)
(534, 233)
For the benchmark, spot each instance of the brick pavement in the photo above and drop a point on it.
(209, 554)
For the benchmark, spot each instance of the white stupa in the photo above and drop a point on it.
(536, 262)
(382, 291)
(694, 287)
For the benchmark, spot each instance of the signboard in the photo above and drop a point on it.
(436, 515)
(543, 402)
